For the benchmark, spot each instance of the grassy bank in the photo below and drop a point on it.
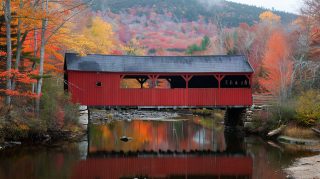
(299, 132)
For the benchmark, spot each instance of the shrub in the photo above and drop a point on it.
(285, 112)
(56, 108)
(271, 117)
(281, 113)
(71, 114)
(308, 108)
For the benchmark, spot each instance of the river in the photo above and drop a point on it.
(197, 147)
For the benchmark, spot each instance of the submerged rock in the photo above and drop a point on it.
(125, 138)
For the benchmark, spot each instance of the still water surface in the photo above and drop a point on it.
(195, 148)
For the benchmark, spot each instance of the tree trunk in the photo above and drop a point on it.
(35, 49)
(42, 53)
(19, 47)
(9, 49)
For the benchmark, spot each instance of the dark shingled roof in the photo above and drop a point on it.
(161, 64)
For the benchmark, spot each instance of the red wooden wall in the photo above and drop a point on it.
(82, 86)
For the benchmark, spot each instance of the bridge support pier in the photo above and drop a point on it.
(234, 117)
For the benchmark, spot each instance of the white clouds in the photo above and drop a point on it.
(282, 5)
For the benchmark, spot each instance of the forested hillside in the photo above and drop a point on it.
(229, 14)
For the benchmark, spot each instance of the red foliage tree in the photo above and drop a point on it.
(277, 64)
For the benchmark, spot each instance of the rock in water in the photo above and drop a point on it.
(125, 138)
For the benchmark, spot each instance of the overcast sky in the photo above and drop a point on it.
(282, 5)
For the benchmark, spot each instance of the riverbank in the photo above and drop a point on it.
(291, 136)
(307, 168)
(12, 134)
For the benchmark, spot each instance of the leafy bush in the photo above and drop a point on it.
(262, 121)
(274, 116)
(56, 108)
(308, 108)
(284, 112)
(72, 113)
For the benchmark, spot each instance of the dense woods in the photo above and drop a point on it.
(229, 14)
(34, 35)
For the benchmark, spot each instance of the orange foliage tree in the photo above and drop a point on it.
(277, 65)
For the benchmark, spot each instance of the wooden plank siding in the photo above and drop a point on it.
(82, 86)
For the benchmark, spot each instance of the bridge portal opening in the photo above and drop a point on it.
(134, 81)
(173, 81)
(235, 81)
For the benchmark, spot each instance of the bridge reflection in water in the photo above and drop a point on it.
(195, 148)
(166, 167)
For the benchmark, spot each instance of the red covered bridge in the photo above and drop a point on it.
(159, 81)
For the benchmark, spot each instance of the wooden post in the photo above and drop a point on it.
(153, 79)
(219, 78)
(249, 79)
(187, 79)
(141, 81)
(88, 130)
(170, 81)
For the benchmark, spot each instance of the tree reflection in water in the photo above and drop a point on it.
(195, 148)
(151, 135)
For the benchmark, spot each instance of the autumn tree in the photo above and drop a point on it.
(7, 14)
(18, 31)
(55, 15)
(30, 18)
(133, 47)
(311, 10)
(306, 40)
(277, 64)
(96, 37)
(270, 17)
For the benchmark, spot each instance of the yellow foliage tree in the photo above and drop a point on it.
(97, 37)
(269, 17)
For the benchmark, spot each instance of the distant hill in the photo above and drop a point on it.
(228, 14)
